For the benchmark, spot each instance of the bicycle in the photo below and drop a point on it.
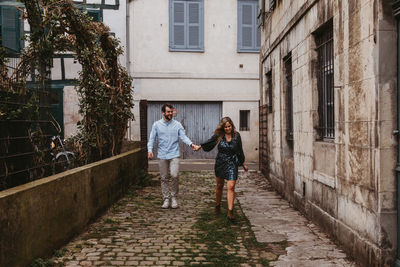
(61, 158)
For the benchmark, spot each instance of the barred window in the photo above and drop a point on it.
(289, 95)
(244, 120)
(326, 109)
(269, 90)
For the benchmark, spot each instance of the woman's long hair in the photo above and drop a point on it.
(220, 132)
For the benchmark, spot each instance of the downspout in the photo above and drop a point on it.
(128, 48)
(396, 11)
(127, 59)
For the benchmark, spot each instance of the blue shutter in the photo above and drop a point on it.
(249, 34)
(186, 25)
(193, 29)
(177, 24)
(10, 28)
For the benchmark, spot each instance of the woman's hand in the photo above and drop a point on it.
(246, 169)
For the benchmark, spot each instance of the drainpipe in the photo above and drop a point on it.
(127, 57)
(127, 49)
(396, 11)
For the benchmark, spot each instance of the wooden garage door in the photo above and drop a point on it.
(199, 120)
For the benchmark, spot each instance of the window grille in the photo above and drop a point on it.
(289, 95)
(244, 120)
(326, 109)
(269, 90)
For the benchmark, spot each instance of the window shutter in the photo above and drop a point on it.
(258, 31)
(10, 28)
(177, 24)
(186, 25)
(246, 26)
(194, 31)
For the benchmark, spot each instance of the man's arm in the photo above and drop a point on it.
(152, 139)
(183, 137)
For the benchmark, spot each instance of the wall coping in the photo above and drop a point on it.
(60, 175)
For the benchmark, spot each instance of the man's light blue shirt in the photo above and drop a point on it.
(168, 134)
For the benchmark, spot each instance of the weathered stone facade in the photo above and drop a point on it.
(346, 183)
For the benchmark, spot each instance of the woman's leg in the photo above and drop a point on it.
(218, 191)
(231, 193)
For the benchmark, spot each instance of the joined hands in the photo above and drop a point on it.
(196, 147)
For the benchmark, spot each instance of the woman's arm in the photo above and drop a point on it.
(210, 143)
(240, 153)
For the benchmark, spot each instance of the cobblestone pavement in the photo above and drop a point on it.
(137, 232)
(273, 220)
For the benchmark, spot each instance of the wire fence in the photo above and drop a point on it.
(25, 136)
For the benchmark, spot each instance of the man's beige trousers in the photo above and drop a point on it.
(169, 184)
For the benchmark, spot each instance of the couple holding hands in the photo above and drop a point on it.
(230, 156)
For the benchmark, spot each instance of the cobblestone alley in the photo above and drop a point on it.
(137, 232)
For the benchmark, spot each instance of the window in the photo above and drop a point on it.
(244, 120)
(186, 29)
(269, 90)
(326, 109)
(249, 34)
(95, 15)
(289, 95)
(11, 28)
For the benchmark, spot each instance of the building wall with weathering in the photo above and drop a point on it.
(219, 74)
(347, 185)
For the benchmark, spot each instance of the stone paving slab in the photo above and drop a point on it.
(273, 220)
(137, 232)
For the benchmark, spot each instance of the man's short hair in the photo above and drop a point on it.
(166, 105)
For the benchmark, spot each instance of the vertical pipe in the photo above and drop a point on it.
(398, 146)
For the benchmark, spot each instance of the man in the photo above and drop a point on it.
(168, 131)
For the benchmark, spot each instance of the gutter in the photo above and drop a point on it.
(396, 12)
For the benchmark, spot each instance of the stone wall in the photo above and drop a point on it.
(39, 217)
(347, 184)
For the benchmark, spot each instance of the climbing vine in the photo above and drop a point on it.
(104, 86)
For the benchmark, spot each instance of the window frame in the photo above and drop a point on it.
(186, 47)
(255, 48)
(288, 75)
(245, 117)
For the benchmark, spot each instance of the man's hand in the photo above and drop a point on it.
(196, 147)
(150, 155)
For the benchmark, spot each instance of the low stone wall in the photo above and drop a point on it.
(41, 216)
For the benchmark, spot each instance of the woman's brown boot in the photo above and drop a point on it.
(230, 215)
(217, 209)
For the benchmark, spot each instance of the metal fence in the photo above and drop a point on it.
(25, 137)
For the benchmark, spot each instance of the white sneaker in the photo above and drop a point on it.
(165, 205)
(174, 203)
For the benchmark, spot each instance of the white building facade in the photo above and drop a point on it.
(203, 57)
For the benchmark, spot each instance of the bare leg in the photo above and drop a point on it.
(231, 194)
(218, 191)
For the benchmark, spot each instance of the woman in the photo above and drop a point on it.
(230, 156)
